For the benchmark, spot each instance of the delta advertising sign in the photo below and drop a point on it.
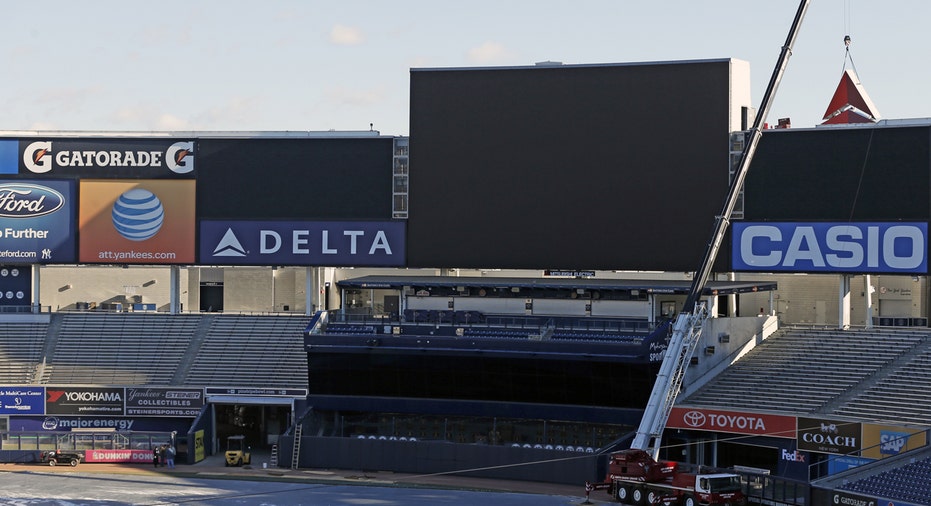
(37, 221)
(98, 158)
(136, 222)
(894, 248)
(316, 243)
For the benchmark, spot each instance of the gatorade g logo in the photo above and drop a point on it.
(37, 157)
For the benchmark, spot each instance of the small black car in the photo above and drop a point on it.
(55, 457)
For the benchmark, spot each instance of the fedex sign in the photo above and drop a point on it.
(831, 247)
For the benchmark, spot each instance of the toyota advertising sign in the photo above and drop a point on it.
(736, 422)
(317, 243)
(37, 221)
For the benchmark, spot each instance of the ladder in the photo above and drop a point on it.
(273, 461)
(296, 449)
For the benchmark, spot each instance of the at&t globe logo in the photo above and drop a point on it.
(138, 214)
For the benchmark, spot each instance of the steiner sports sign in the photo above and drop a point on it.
(736, 422)
(144, 401)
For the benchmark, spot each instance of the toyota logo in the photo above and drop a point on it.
(694, 419)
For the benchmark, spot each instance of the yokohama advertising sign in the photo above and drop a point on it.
(737, 422)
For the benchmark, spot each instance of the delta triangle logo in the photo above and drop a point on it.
(229, 246)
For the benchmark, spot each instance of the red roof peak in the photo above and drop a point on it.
(850, 103)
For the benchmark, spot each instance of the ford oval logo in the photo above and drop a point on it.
(24, 200)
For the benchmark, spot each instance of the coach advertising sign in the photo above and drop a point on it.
(102, 158)
(37, 221)
(317, 243)
(164, 401)
(898, 248)
(136, 222)
(16, 400)
(737, 422)
(828, 436)
(84, 401)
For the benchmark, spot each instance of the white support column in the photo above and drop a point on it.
(712, 303)
(732, 299)
(310, 290)
(868, 295)
(174, 289)
(843, 302)
(36, 293)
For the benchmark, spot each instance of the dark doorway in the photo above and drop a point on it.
(211, 297)
(392, 304)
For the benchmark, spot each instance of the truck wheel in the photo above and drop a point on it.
(689, 501)
(622, 494)
(638, 496)
(652, 497)
(74, 462)
(52, 462)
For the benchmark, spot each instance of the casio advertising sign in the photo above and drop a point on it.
(37, 221)
(831, 247)
(110, 158)
(318, 243)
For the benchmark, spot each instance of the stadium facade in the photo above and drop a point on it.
(582, 206)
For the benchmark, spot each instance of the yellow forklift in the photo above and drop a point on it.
(237, 453)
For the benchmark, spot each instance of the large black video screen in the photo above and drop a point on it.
(572, 166)
(854, 173)
(294, 178)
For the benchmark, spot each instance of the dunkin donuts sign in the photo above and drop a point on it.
(737, 422)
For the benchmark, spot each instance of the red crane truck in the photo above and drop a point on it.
(634, 477)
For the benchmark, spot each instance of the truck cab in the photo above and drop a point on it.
(717, 488)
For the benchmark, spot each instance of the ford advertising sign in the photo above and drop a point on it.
(37, 221)
(895, 248)
(316, 243)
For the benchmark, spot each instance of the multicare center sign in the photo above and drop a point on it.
(831, 247)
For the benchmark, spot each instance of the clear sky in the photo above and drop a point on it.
(277, 65)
